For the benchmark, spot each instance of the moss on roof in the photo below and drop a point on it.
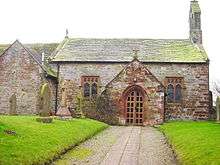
(121, 50)
(183, 52)
(50, 71)
(118, 50)
(60, 46)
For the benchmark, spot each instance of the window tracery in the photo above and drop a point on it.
(90, 85)
(174, 87)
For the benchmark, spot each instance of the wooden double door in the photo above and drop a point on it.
(134, 108)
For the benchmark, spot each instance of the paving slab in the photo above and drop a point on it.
(119, 145)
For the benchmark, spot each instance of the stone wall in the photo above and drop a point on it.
(19, 75)
(195, 103)
(195, 91)
(22, 76)
(70, 79)
(137, 77)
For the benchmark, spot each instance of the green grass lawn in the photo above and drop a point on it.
(195, 143)
(37, 143)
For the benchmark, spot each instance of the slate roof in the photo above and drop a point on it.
(47, 48)
(121, 50)
(38, 57)
(37, 48)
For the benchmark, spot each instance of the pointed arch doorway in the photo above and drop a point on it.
(134, 106)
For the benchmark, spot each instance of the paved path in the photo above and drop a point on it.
(122, 146)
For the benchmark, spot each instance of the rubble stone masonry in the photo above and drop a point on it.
(19, 75)
(195, 100)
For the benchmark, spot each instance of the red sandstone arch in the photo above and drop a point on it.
(125, 95)
(132, 88)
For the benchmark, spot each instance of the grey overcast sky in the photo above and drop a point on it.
(33, 21)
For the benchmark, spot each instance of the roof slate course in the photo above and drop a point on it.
(122, 50)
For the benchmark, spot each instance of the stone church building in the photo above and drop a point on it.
(120, 81)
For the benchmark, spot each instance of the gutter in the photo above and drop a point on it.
(125, 62)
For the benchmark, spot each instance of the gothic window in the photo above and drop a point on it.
(90, 85)
(174, 89)
(178, 93)
(170, 93)
(86, 89)
(94, 89)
